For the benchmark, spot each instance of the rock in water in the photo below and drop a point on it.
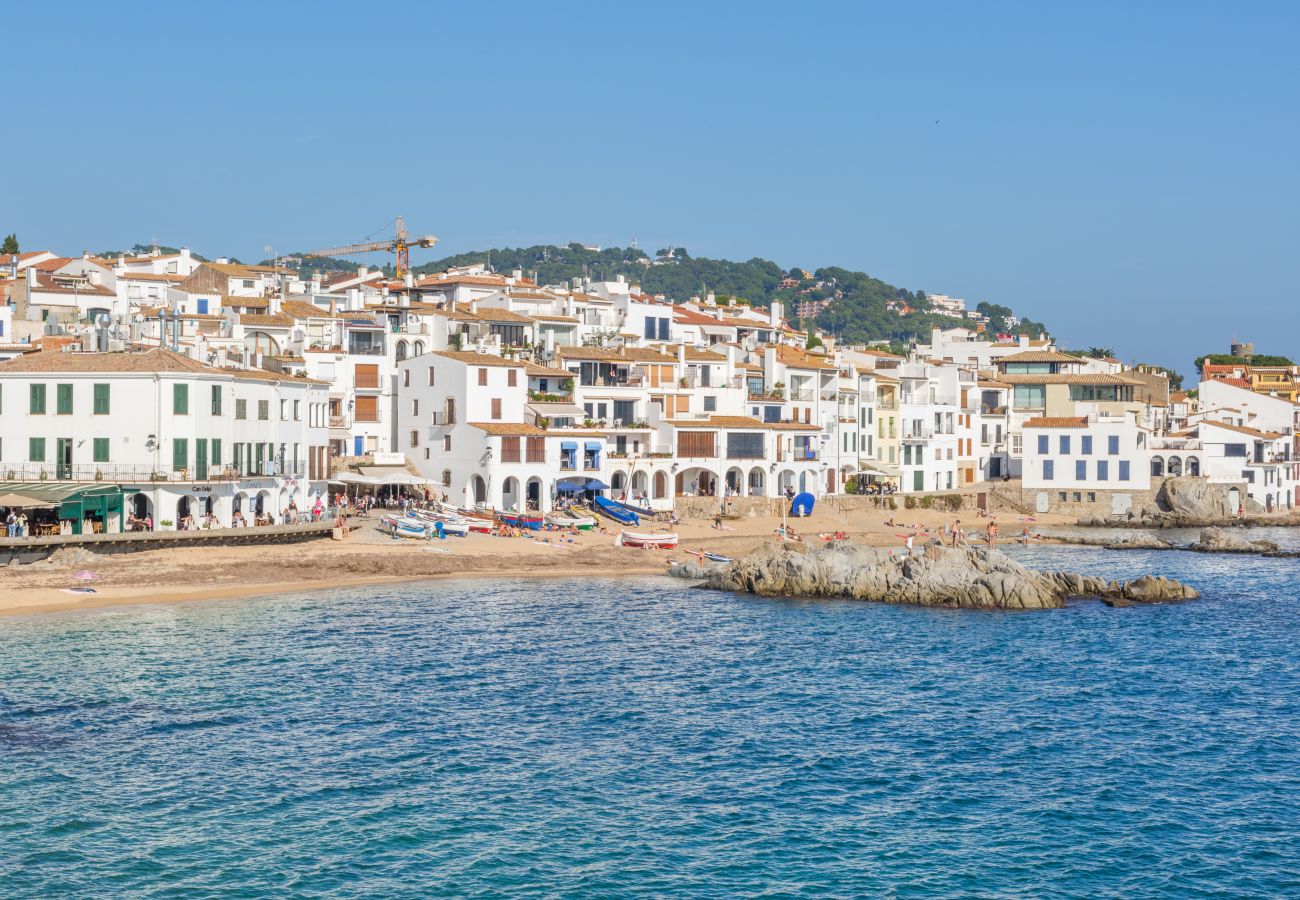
(1214, 540)
(968, 578)
(1187, 497)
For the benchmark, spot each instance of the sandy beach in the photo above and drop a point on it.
(369, 557)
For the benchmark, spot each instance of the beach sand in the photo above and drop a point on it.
(368, 557)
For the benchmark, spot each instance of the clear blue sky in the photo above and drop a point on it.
(1127, 172)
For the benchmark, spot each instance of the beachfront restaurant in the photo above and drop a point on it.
(62, 508)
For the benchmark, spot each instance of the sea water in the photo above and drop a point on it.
(607, 738)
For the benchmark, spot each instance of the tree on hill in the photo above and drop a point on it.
(1099, 352)
(10, 244)
(1227, 359)
(813, 340)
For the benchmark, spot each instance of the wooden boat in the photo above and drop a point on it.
(453, 525)
(570, 519)
(645, 541)
(643, 511)
(531, 521)
(615, 511)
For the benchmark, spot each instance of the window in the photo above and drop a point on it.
(430, 376)
(241, 409)
(695, 444)
(1080, 470)
(365, 409)
(482, 377)
(415, 407)
(406, 378)
(512, 377)
(1228, 449)
(415, 438)
(284, 410)
(1103, 470)
(1049, 470)
(496, 408)
(535, 448)
(710, 404)
(446, 443)
(63, 400)
(1123, 470)
(510, 449)
(36, 449)
(36, 394)
(216, 399)
(744, 445)
(297, 410)
(1065, 445)
(1042, 444)
(216, 451)
(367, 377)
(1085, 445)
(1112, 444)
(264, 410)
(180, 454)
(180, 399)
(100, 447)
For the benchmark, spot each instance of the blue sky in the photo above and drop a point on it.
(1128, 173)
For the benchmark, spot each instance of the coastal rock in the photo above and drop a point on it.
(1138, 541)
(1194, 498)
(690, 568)
(967, 578)
(1214, 540)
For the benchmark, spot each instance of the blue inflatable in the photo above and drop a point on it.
(802, 505)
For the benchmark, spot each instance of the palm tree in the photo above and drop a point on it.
(1100, 352)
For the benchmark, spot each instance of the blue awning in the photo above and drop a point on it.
(568, 445)
(596, 485)
(595, 445)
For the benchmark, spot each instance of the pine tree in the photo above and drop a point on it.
(10, 244)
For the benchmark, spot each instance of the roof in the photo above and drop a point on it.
(471, 358)
(444, 278)
(150, 361)
(1086, 378)
(46, 284)
(269, 321)
(534, 370)
(1242, 429)
(798, 359)
(493, 314)
(508, 429)
(740, 422)
(623, 354)
(1046, 356)
(547, 317)
(1057, 422)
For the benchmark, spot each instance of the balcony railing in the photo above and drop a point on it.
(111, 474)
(443, 418)
(340, 422)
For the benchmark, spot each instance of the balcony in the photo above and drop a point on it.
(443, 418)
(112, 474)
(802, 396)
(986, 410)
(918, 434)
(366, 350)
(340, 422)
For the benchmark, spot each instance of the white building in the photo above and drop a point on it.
(177, 436)
(1092, 454)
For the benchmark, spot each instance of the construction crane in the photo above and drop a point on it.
(400, 244)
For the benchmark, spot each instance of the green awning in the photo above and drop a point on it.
(50, 493)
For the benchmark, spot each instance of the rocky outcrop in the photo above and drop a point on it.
(1188, 502)
(1215, 540)
(1194, 498)
(1139, 541)
(968, 578)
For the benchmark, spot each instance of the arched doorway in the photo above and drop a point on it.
(182, 510)
(478, 489)
(261, 503)
(533, 493)
(400, 350)
(786, 482)
(1157, 466)
(757, 478)
(735, 481)
(617, 481)
(510, 494)
(696, 482)
(640, 484)
(141, 508)
(1193, 466)
(417, 349)
(661, 485)
(1175, 466)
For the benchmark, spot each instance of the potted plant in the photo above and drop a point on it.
(166, 523)
(567, 385)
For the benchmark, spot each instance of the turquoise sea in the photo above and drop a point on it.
(639, 738)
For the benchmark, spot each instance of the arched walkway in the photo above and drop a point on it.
(735, 481)
(533, 493)
(640, 484)
(786, 480)
(1157, 466)
(757, 481)
(478, 489)
(140, 506)
(617, 481)
(1193, 466)
(661, 485)
(697, 482)
(1175, 466)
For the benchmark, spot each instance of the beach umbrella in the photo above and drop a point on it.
(85, 575)
(596, 485)
(568, 487)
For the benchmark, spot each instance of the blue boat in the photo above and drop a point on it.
(638, 510)
(531, 521)
(616, 511)
(802, 505)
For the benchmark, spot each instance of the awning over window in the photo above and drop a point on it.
(568, 445)
(557, 410)
(595, 445)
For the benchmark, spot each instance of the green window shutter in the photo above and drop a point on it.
(180, 454)
(101, 449)
(101, 399)
(37, 395)
(216, 451)
(63, 400)
(180, 399)
(263, 410)
(241, 409)
(36, 449)
(216, 399)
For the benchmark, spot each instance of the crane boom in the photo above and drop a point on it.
(400, 245)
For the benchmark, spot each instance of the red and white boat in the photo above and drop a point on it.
(666, 541)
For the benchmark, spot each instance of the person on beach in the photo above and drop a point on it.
(909, 545)
(11, 524)
(956, 529)
(991, 532)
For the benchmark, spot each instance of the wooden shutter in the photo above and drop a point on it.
(366, 409)
(510, 449)
(367, 376)
(695, 444)
(496, 407)
(482, 377)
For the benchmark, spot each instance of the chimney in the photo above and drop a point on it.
(516, 274)
(409, 279)
(361, 271)
(96, 277)
(473, 306)
(223, 260)
(775, 314)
